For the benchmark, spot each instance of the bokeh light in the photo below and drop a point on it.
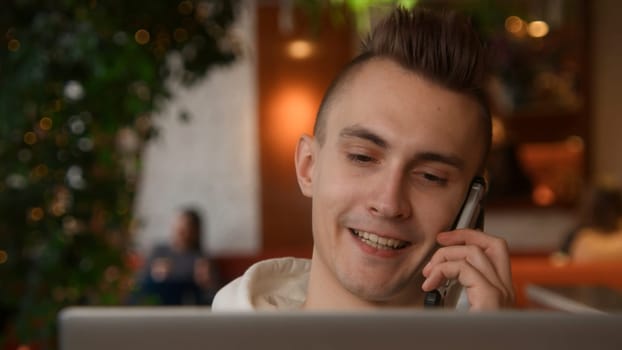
(58, 209)
(30, 138)
(514, 24)
(45, 123)
(73, 91)
(300, 49)
(538, 29)
(543, 196)
(36, 214)
(142, 36)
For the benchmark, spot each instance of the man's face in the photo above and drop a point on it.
(397, 159)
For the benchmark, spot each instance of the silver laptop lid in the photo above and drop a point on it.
(197, 328)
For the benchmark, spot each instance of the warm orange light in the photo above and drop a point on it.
(543, 195)
(514, 24)
(58, 209)
(499, 134)
(300, 49)
(36, 214)
(45, 123)
(291, 114)
(3, 256)
(30, 138)
(142, 36)
(538, 29)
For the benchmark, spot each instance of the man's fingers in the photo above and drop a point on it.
(495, 248)
(480, 262)
(471, 254)
(482, 295)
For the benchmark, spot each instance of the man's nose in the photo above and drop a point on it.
(390, 197)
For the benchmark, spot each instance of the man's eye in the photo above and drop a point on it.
(434, 178)
(360, 158)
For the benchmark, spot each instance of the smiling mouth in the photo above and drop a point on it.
(375, 241)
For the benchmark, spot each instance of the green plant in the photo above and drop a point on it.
(79, 83)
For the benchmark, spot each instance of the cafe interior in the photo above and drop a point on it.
(554, 115)
(224, 144)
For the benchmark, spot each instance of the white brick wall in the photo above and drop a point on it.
(210, 162)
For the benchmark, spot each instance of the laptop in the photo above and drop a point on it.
(190, 328)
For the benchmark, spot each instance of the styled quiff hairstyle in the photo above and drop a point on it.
(442, 47)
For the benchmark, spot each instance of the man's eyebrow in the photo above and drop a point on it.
(426, 156)
(365, 134)
(451, 160)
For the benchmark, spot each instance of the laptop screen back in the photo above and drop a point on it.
(198, 328)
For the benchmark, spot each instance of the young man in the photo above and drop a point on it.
(398, 139)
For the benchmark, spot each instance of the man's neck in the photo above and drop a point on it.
(325, 292)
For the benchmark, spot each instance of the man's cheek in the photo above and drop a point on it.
(435, 218)
(340, 186)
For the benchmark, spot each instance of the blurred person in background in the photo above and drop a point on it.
(179, 273)
(598, 234)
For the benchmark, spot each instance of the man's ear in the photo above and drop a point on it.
(305, 160)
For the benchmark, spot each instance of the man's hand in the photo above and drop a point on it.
(479, 262)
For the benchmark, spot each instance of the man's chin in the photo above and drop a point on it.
(380, 291)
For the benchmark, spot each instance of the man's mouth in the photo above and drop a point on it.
(378, 242)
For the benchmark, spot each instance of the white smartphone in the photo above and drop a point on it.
(471, 216)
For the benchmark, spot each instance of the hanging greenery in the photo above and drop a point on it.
(360, 10)
(79, 82)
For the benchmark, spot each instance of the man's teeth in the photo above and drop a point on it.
(379, 242)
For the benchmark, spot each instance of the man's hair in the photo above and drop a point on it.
(442, 47)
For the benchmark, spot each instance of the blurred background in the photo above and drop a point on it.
(117, 115)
